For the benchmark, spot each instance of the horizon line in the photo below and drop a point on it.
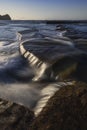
(52, 19)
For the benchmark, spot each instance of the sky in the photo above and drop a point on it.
(44, 9)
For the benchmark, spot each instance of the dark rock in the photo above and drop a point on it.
(81, 71)
(62, 61)
(58, 58)
(71, 67)
(65, 67)
(5, 17)
(14, 116)
(81, 44)
(66, 110)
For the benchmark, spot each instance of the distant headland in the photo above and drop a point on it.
(5, 17)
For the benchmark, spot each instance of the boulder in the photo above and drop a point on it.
(66, 110)
(14, 116)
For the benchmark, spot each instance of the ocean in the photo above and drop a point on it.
(30, 77)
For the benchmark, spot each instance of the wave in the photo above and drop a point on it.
(38, 65)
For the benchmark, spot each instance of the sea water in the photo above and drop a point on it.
(16, 74)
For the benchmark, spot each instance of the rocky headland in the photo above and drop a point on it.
(5, 17)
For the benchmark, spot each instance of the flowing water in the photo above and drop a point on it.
(44, 44)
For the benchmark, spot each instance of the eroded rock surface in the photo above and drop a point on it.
(66, 110)
(14, 116)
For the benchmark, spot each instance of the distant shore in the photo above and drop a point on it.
(5, 17)
(65, 21)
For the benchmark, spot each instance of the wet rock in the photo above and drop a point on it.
(66, 110)
(71, 67)
(81, 44)
(14, 116)
(56, 61)
(53, 60)
(81, 71)
(65, 67)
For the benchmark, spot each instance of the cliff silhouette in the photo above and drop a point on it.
(5, 17)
